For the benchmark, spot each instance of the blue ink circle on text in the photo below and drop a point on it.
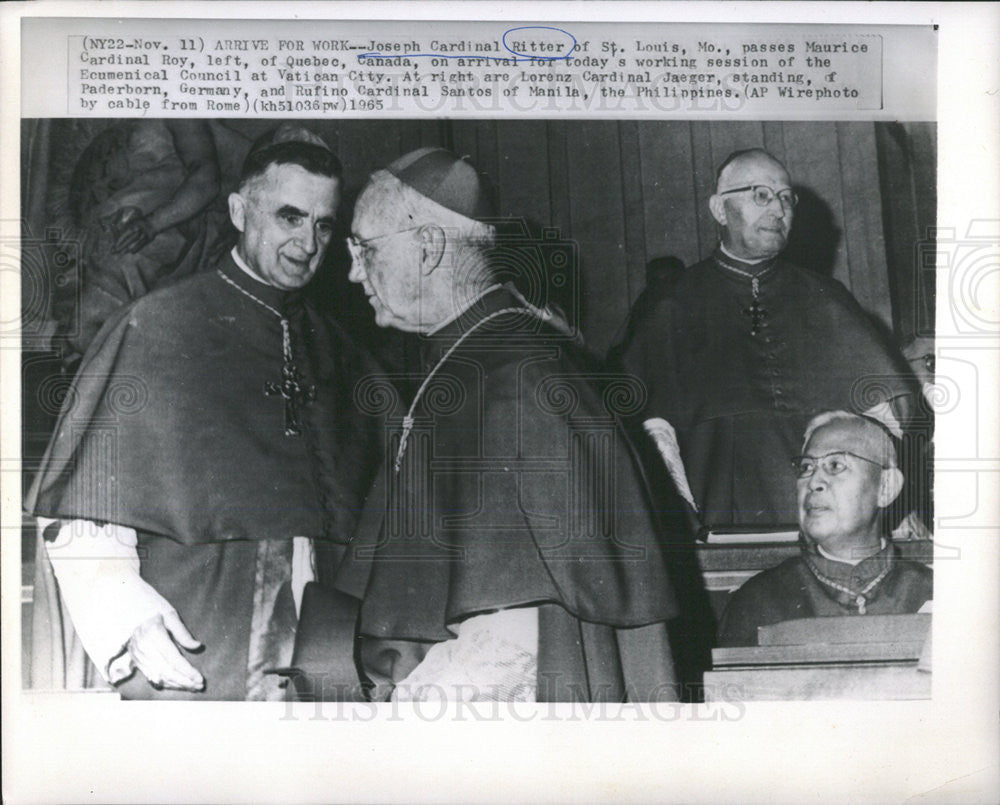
(539, 28)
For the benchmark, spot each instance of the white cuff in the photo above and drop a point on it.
(665, 437)
(97, 568)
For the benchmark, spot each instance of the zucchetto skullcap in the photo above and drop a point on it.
(449, 180)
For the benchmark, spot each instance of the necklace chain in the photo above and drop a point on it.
(754, 278)
(290, 387)
(286, 338)
(408, 419)
(859, 597)
(757, 312)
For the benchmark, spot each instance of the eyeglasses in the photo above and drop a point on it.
(764, 195)
(832, 463)
(927, 360)
(357, 247)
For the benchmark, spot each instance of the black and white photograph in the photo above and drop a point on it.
(684, 308)
(342, 413)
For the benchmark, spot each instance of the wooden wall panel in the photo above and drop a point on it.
(907, 174)
(923, 140)
(523, 171)
(703, 170)
(669, 191)
(867, 274)
(632, 200)
(478, 140)
(632, 192)
(597, 223)
(817, 241)
(365, 149)
(774, 140)
(727, 137)
(559, 189)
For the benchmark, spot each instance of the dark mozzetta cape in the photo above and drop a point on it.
(740, 402)
(791, 591)
(518, 488)
(167, 428)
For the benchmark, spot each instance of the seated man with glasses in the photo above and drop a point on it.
(738, 351)
(845, 479)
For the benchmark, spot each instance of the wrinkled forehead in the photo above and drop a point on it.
(377, 210)
(851, 437)
(754, 169)
(365, 208)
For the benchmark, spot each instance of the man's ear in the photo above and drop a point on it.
(717, 206)
(432, 245)
(890, 485)
(237, 210)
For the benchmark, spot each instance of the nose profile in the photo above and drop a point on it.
(357, 272)
(308, 241)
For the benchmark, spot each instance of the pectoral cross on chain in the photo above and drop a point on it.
(756, 311)
(290, 387)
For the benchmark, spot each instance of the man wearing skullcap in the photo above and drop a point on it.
(208, 449)
(741, 349)
(506, 551)
(846, 477)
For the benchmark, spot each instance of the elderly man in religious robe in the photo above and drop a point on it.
(209, 452)
(507, 550)
(739, 351)
(846, 477)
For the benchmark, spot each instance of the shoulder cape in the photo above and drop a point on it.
(691, 345)
(516, 488)
(167, 427)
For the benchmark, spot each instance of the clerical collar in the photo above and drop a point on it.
(236, 271)
(731, 256)
(245, 268)
(744, 268)
(853, 562)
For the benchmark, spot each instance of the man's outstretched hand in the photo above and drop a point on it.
(153, 647)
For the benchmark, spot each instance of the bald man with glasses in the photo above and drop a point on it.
(845, 479)
(740, 350)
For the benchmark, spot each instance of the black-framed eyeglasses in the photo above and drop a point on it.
(831, 463)
(357, 247)
(764, 195)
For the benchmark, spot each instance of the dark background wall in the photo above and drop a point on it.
(620, 194)
(627, 193)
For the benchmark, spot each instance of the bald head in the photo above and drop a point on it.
(735, 166)
(750, 230)
(849, 475)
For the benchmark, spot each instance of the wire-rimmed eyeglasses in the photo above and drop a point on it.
(357, 247)
(764, 195)
(831, 463)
